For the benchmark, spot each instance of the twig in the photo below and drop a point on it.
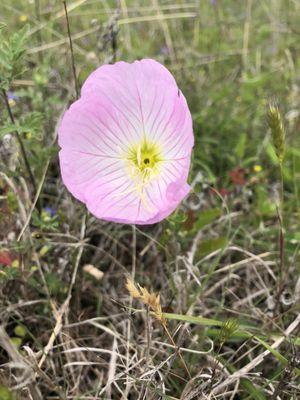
(177, 349)
(71, 49)
(130, 305)
(23, 151)
(38, 192)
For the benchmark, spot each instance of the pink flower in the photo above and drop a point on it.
(126, 143)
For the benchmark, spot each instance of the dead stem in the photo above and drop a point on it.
(178, 349)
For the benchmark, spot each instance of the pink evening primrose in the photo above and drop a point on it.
(126, 143)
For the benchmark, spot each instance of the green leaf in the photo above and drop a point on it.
(207, 217)
(252, 390)
(271, 153)
(193, 320)
(12, 51)
(29, 123)
(32, 123)
(7, 128)
(209, 246)
(241, 145)
(5, 393)
(240, 334)
(177, 217)
(264, 205)
(276, 353)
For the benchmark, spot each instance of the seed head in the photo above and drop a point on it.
(150, 300)
(277, 129)
(228, 329)
(132, 289)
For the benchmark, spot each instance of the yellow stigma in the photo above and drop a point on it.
(144, 160)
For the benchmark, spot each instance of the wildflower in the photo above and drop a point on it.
(23, 18)
(126, 143)
(164, 50)
(11, 102)
(257, 168)
(15, 263)
(46, 217)
(12, 98)
(50, 211)
(237, 176)
(5, 258)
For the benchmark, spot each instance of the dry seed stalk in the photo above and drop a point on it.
(152, 301)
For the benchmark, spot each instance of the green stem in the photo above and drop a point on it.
(71, 50)
(281, 226)
(22, 147)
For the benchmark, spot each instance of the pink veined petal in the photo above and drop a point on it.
(147, 92)
(93, 125)
(122, 105)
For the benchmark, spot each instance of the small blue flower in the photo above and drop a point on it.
(51, 211)
(12, 96)
(164, 50)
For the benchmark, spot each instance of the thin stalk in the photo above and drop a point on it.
(213, 374)
(178, 349)
(281, 187)
(147, 334)
(128, 333)
(71, 50)
(281, 229)
(22, 147)
(279, 208)
(39, 34)
(114, 44)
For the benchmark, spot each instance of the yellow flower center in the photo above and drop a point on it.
(144, 161)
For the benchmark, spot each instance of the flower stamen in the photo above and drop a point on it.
(144, 161)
